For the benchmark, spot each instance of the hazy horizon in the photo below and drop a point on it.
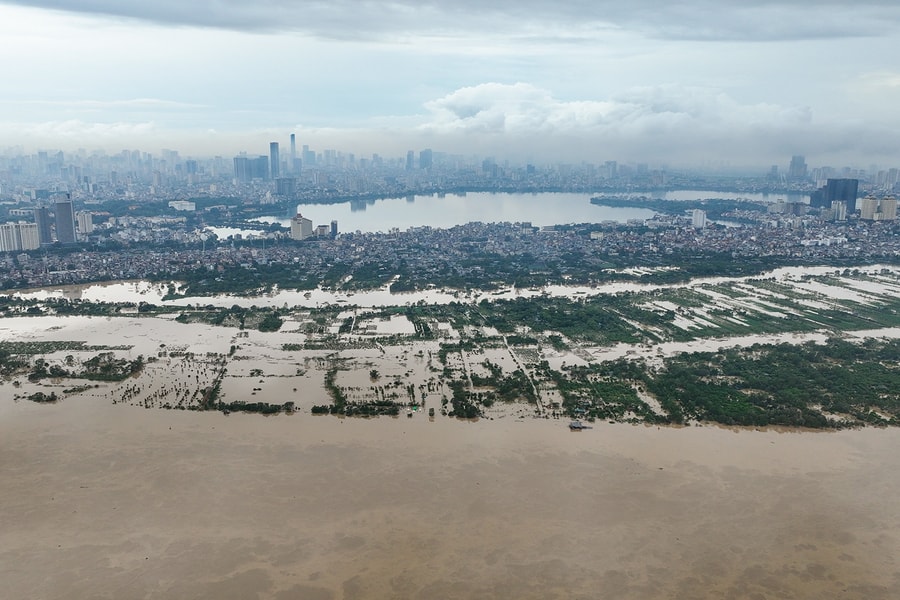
(700, 83)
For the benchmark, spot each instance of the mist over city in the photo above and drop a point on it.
(698, 84)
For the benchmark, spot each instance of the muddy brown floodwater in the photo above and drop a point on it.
(114, 501)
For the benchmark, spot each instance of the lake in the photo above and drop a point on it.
(539, 209)
(453, 209)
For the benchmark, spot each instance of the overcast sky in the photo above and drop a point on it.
(696, 82)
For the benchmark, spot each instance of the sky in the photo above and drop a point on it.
(688, 83)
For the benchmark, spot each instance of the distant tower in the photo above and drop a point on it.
(42, 220)
(294, 168)
(843, 190)
(425, 158)
(797, 168)
(286, 186)
(334, 230)
(242, 169)
(65, 222)
(410, 160)
(274, 160)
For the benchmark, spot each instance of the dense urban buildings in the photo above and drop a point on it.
(135, 197)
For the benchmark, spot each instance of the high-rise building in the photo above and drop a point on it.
(838, 211)
(698, 218)
(426, 158)
(294, 168)
(836, 190)
(65, 222)
(286, 186)
(797, 168)
(410, 160)
(889, 209)
(334, 229)
(843, 190)
(612, 169)
(242, 169)
(28, 236)
(301, 227)
(274, 161)
(309, 156)
(42, 220)
(868, 206)
(18, 236)
(84, 222)
(259, 167)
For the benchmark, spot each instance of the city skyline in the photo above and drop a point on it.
(698, 84)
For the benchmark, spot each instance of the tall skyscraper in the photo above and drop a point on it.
(242, 169)
(410, 160)
(274, 161)
(42, 220)
(294, 168)
(259, 167)
(797, 168)
(842, 190)
(65, 222)
(836, 190)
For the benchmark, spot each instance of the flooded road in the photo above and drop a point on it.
(114, 501)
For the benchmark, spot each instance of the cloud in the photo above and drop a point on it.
(495, 108)
(390, 19)
(668, 124)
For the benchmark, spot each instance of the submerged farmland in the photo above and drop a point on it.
(811, 348)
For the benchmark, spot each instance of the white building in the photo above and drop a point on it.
(84, 223)
(18, 236)
(698, 218)
(183, 205)
(889, 209)
(867, 208)
(301, 227)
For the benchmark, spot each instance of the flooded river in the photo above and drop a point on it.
(114, 501)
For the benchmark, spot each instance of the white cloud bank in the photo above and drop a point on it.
(671, 125)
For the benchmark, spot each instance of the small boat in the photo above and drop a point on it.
(576, 426)
(409, 413)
